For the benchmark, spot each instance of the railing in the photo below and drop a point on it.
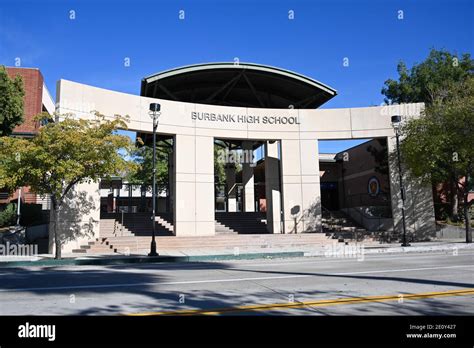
(327, 211)
(221, 200)
(29, 198)
(133, 198)
(332, 220)
(368, 221)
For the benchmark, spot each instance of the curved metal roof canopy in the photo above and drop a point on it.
(244, 84)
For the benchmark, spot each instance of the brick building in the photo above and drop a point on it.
(36, 100)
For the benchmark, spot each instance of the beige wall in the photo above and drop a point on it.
(194, 186)
(349, 123)
(419, 209)
(79, 217)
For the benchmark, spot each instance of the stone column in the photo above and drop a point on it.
(301, 185)
(272, 187)
(248, 177)
(171, 184)
(419, 208)
(193, 209)
(231, 187)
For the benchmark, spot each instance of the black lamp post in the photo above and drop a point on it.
(154, 114)
(396, 120)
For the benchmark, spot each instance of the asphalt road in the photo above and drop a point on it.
(314, 286)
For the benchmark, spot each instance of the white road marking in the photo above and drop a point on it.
(96, 286)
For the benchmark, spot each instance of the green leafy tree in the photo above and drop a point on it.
(11, 102)
(428, 81)
(8, 215)
(219, 166)
(439, 146)
(62, 155)
(432, 82)
(143, 174)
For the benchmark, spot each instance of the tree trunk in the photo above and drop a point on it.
(467, 216)
(454, 202)
(57, 241)
(467, 222)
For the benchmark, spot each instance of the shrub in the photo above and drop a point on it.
(8, 215)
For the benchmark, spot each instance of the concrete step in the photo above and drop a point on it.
(216, 249)
(240, 223)
(299, 236)
(107, 244)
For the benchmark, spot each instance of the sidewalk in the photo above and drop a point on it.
(223, 254)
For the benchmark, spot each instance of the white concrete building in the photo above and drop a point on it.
(251, 106)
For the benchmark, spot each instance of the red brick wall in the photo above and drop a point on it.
(441, 193)
(33, 84)
(33, 104)
(361, 165)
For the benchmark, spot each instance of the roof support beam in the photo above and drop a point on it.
(224, 97)
(232, 82)
(252, 88)
(304, 102)
(164, 89)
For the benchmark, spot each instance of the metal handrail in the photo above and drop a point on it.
(370, 217)
(323, 208)
(332, 219)
(363, 216)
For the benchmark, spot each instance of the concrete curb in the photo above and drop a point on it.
(147, 259)
(122, 260)
(414, 249)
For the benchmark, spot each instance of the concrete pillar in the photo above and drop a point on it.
(231, 187)
(194, 185)
(272, 187)
(248, 177)
(171, 184)
(301, 186)
(419, 208)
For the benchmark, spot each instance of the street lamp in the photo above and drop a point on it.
(396, 121)
(154, 114)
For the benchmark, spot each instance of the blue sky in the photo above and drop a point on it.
(92, 47)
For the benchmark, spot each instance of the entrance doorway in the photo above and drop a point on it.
(330, 195)
(240, 185)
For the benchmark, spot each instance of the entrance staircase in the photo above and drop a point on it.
(135, 224)
(246, 231)
(241, 223)
(218, 244)
(115, 227)
(342, 227)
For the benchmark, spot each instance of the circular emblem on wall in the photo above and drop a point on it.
(373, 186)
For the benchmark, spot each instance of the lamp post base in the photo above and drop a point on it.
(153, 249)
